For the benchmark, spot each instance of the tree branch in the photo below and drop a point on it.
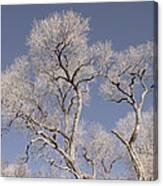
(25, 160)
(62, 66)
(17, 115)
(124, 70)
(71, 103)
(133, 155)
(78, 69)
(85, 80)
(117, 85)
(106, 169)
(120, 137)
(121, 100)
(90, 161)
(65, 168)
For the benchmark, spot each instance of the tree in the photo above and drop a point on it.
(129, 78)
(44, 92)
(144, 144)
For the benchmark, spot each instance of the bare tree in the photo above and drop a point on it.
(144, 144)
(44, 92)
(129, 78)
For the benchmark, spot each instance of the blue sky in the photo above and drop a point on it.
(123, 23)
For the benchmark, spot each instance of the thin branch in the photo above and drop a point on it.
(56, 130)
(17, 115)
(62, 66)
(117, 85)
(6, 129)
(71, 103)
(124, 70)
(85, 80)
(106, 169)
(78, 69)
(66, 93)
(120, 100)
(120, 137)
(65, 168)
(43, 126)
(131, 85)
(138, 63)
(90, 161)
(55, 78)
(25, 159)
(51, 142)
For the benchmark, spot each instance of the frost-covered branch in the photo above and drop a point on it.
(129, 79)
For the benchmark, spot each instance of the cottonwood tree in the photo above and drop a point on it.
(43, 93)
(144, 143)
(129, 78)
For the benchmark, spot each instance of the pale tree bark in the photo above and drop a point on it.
(43, 136)
(137, 164)
(75, 124)
(123, 81)
(138, 167)
(51, 81)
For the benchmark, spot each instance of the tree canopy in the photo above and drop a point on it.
(44, 92)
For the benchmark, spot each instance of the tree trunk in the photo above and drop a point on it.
(137, 125)
(139, 169)
(75, 124)
(136, 163)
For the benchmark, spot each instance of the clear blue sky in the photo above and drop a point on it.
(123, 23)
